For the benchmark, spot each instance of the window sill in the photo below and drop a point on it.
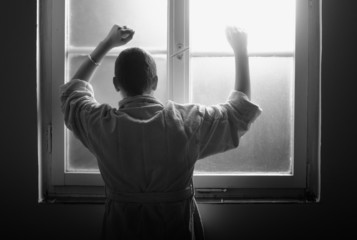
(96, 195)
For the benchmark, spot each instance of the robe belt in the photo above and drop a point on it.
(150, 197)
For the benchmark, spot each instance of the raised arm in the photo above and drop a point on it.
(116, 37)
(238, 41)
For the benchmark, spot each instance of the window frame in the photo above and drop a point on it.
(302, 185)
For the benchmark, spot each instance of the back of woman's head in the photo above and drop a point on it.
(135, 70)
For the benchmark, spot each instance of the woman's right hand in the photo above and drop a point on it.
(119, 36)
(237, 39)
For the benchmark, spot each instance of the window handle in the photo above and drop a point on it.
(179, 53)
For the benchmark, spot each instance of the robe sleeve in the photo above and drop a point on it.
(223, 125)
(77, 104)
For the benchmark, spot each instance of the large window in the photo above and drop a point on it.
(195, 64)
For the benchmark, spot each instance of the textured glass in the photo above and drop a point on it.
(270, 24)
(267, 146)
(88, 23)
(78, 157)
(90, 20)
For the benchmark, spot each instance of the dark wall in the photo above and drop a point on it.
(22, 216)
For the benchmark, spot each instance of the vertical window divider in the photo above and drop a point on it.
(178, 47)
(57, 76)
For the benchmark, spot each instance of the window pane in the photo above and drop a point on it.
(270, 24)
(90, 20)
(78, 157)
(267, 147)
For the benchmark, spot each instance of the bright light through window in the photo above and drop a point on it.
(276, 159)
(268, 146)
(268, 24)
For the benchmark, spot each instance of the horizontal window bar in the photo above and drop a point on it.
(113, 52)
(116, 51)
(250, 54)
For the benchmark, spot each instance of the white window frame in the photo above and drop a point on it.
(304, 182)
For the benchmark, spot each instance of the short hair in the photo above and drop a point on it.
(135, 69)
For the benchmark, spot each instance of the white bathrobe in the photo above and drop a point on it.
(146, 152)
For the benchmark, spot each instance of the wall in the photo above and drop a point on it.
(23, 217)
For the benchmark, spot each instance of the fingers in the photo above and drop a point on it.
(234, 29)
(127, 37)
(232, 32)
(127, 34)
(237, 38)
(119, 35)
(127, 30)
(119, 28)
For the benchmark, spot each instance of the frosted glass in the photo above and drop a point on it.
(90, 21)
(267, 147)
(270, 24)
(78, 157)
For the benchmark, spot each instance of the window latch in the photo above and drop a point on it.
(179, 53)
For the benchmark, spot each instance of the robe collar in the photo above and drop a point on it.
(138, 101)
